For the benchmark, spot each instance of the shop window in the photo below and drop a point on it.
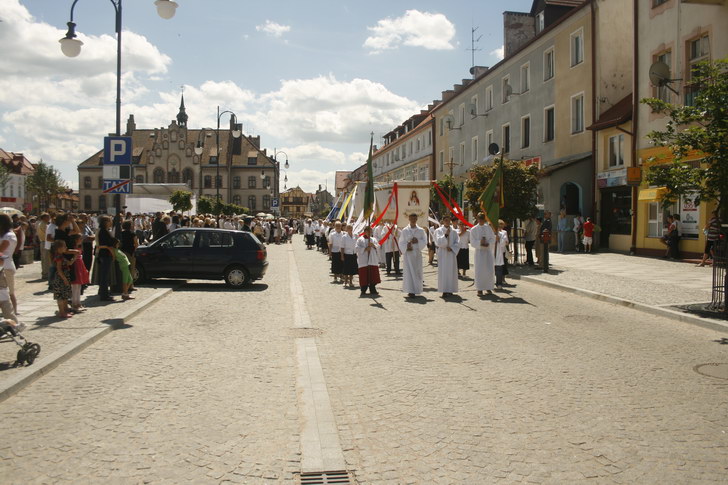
(616, 211)
(657, 218)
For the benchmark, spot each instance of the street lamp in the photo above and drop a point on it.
(71, 47)
(277, 172)
(199, 148)
(236, 134)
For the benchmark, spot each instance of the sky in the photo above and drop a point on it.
(312, 79)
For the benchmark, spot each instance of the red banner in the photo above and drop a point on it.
(395, 193)
(456, 210)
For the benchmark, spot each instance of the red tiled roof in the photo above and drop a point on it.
(614, 116)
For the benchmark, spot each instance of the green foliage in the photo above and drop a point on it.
(205, 205)
(520, 188)
(702, 127)
(208, 205)
(45, 182)
(181, 200)
(4, 176)
(449, 187)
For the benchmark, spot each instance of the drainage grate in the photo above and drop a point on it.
(324, 478)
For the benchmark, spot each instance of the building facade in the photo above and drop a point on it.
(244, 174)
(407, 151)
(679, 33)
(537, 103)
(13, 192)
(295, 202)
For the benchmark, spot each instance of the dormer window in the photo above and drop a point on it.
(540, 23)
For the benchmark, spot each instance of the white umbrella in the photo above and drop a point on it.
(261, 214)
(10, 210)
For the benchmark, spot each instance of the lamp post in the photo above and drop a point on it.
(236, 134)
(199, 148)
(71, 47)
(277, 173)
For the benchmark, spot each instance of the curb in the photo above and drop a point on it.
(42, 367)
(654, 310)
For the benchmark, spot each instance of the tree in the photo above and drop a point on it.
(701, 128)
(448, 187)
(45, 182)
(520, 188)
(181, 200)
(205, 205)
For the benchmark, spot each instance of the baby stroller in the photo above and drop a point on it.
(28, 351)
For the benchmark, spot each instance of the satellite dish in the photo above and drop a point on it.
(659, 73)
(509, 90)
(449, 122)
(660, 76)
(473, 108)
(493, 148)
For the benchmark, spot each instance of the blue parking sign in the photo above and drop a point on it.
(117, 150)
(274, 203)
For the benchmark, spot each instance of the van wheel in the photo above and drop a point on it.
(237, 277)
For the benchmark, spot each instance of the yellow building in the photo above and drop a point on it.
(679, 34)
(295, 202)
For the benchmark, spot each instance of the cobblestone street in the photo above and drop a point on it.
(533, 385)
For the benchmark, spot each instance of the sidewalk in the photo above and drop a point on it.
(37, 310)
(644, 280)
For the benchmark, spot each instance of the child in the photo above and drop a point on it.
(62, 279)
(126, 279)
(80, 275)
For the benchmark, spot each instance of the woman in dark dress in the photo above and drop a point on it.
(104, 246)
(129, 243)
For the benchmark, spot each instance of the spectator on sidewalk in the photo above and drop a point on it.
(562, 227)
(530, 233)
(545, 233)
(501, 246)
(104, 257)
(88, 237)
(62, 278)
(79, 274)
(712, 236)
(159, 228)
(129, 243)
(578, 232)
(588, 235)
(40, 235)
(50, 237)
(8, 243)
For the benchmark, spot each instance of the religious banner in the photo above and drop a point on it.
(413, 198)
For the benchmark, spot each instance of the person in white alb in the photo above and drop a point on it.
(379, 232)
(447, 242)
(463, 256)
(337, 260)
(348, 246)
(308, 234)
(412, 241)
(501, 246)
(368, 260)
(482, 238)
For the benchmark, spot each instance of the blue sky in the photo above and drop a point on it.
(312, 78)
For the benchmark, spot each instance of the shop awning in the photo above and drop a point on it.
(652, 194)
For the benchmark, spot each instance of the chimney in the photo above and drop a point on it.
(518, 29)
(478, 71)
(130, 125)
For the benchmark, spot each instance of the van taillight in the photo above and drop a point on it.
(261, 255)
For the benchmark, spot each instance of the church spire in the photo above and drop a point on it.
(182, 115)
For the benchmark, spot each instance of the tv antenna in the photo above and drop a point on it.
(473, 49)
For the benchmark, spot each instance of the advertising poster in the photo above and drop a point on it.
(690, 215)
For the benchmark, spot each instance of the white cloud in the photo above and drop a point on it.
(309, 179)
(499, 53)
(417, 29)
(272, 28)
(313, 152)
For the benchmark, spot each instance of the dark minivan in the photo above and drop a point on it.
(208, 254)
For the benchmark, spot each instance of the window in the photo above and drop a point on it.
(237, 200)
(474, 149)
(525, 131)
(442, 127)
(252, 181)
(577, 113)
(429, 138)
(698, 51)
(188, 176)
(266, 182)
(657, 219)
(179, 239)
(139, 179)
(419, 143)
(488, 140)
(616, 151)
(474, 106)
(102, 203)
(462, 153)
(87, 202)
(173, 177)
(577, 47)
(506, 138)
(549, 123)
(216, 239)
(489, 98)
(662, 92)
(208, 181)
(540, 24)
(251, 202)
(505, 88)
(548, 64)
(657, 3)
(451, 156)
(442, 160)
(158, 176)
(266, 202)
(87, 182)
(525, 78)
(252, 160)
(462, 114)
(213, 159)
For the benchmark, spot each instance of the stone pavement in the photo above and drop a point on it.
(529, 386)
(37, 310)
(652, 281)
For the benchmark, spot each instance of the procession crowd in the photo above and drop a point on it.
(400, 251)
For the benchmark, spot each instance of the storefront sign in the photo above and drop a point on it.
(690, 215)
(634, 176)
(532, 161)
(612, 178)
(7, 199)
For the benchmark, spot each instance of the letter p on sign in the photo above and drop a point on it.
(117, 150)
